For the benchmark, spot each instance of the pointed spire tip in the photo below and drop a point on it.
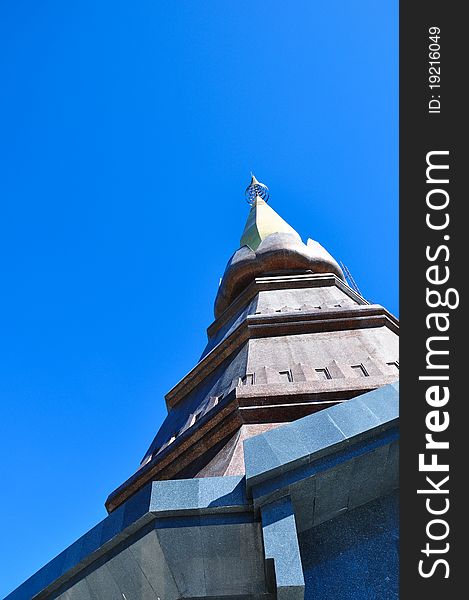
(256, 189)
(253, 179)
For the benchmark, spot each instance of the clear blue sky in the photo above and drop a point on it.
(127, 134)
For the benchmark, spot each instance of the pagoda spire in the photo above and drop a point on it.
(262, 220)
(269, 245)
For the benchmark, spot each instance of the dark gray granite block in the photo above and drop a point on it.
(355, 555)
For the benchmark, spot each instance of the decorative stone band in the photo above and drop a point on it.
(255, 326)
(281, 282)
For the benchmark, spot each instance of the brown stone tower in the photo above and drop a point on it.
(290, 338)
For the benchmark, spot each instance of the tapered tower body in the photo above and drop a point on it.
(274, 474)
(290, 338)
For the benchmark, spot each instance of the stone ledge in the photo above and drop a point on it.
(330, 477)
(325, 432)
(158, 500)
